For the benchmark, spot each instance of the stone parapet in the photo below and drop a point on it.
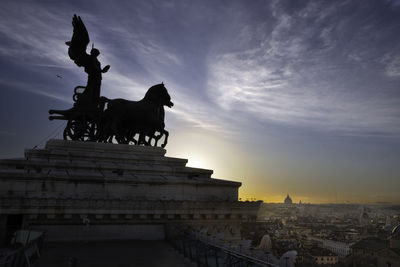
(83, 170)
(66, 185)
(60, 211)
(108, 148)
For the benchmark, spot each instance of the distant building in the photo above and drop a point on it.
(288, 200)
(367, 250)
(340, 248)
(391, 256)
(379, 252)
(323, 256)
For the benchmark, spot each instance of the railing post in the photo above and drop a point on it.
(183, 247)
(190, 250)
(228, 259)
(216, 257)
(197, 253)
(205, 255)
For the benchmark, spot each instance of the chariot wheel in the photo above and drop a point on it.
(81, 129)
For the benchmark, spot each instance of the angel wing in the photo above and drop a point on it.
(79, 42)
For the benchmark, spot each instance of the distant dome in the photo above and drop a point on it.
(288, 200)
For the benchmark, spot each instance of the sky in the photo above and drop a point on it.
(298, 97)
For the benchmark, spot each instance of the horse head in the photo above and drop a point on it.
(158, 94)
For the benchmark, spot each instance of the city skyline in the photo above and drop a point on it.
(287, 97)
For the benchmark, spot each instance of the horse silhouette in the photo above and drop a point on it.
(123, 119)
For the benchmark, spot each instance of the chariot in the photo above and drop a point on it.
(83, 119)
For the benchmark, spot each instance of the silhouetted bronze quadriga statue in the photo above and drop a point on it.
(98, 119)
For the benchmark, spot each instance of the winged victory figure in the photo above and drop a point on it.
(77, 52)
(90, 120)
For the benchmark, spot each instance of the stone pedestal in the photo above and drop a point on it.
(70, 187)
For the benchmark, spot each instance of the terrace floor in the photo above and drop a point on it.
(111, 254)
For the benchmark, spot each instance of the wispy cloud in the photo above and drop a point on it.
(392, 65)
(35, 88)
(305, 66)
(299, 75)
(34, 39)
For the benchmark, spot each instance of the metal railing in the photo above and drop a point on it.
(208, 252)
(30, 244)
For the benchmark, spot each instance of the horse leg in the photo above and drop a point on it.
(132, 138)
(151, 137)
(148, 142)
(157, 138)
(116, 130)
(166, 133)
(108, 137)
(121, 138)
(103, 131)
(142, 139)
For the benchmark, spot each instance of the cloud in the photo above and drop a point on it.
(392, 65)
(36, 88)
(139, 54)
(303, 63)
(307, 71)
(38, 41)
(32, 38)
